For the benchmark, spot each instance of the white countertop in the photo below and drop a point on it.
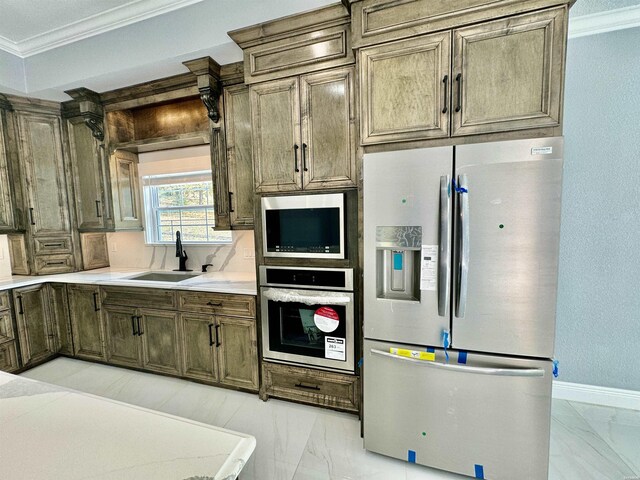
(49, 432)
(241, 283)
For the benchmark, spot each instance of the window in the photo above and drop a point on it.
(181, 202)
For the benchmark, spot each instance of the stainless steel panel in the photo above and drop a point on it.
(513, 221)
(348, 276)
(402, 189)
(457, 418)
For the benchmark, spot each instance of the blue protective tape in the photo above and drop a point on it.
(479, 471)
(411, 456)
(459, 189)
(462, 357)
(445, 344)
(360, 362)
(431, 350)
(555, 368)
(397, 261)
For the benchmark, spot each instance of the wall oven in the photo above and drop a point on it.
(308, 316)
(304, 226)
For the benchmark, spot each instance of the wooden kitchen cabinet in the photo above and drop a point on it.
(86, 321)
(160, 341)
(8, 354)
(8, 217)
(60, 318)
(220, 349)
(44, 184)
(37, 337)
(506, 75)
(127, 207)
(237, 119)
(304, 132)
(121, 325)
(9, 357)
(90, 176)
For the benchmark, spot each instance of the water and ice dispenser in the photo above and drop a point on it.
(398, 263)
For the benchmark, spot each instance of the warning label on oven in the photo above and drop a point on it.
(334, 348)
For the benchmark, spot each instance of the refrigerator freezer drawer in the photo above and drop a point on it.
(483, 416)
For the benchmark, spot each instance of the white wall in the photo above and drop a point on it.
(5, 262)
(11, 73)
(127, 249)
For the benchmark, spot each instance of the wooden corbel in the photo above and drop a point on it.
(207, 71)
(91, 110)
(4, 103)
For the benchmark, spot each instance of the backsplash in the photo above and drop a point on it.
(131, 251)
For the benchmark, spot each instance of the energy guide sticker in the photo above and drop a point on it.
(334, 348)
(429, 267)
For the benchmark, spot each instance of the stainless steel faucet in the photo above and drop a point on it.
(181, 254)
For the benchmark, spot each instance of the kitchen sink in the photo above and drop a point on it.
(164, 276)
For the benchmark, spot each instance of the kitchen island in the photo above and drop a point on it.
(49, 432)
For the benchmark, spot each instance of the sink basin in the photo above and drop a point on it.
(164, 276)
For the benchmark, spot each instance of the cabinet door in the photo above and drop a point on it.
(508, 74)
(240, 168)
(7, 219)
(122, 326)
(44, 174)
(37, 341)
(275, 125)
(160, 344)
(86, 170)
(237, 351)
(405, 89)
(60, 319)
(328, 129)
(86, 324)
(198, 347)
(126, 191)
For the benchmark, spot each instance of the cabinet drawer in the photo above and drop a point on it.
(219, 304)
(139, 297)
(4, 300)
(8, 357)
(6, 326)
(46, 246)
(311, 386)
(54, 264)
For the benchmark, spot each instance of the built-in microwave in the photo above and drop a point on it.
(306, 226)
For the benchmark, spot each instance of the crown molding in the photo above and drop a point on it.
(602, 22)
(94, 25)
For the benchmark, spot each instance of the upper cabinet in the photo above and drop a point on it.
(304, 132)
(126, 191)
(490, 77)
(7, 199)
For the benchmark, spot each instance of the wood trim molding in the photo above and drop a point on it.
(207, 72)
(602, 22)
(91, 110)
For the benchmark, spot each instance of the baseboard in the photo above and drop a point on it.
(609, 397)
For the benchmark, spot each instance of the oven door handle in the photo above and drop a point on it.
(322, 298)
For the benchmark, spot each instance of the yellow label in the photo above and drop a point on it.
(418, 355)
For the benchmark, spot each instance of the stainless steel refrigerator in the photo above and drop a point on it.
(460, 278)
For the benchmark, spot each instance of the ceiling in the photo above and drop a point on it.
(48, 46)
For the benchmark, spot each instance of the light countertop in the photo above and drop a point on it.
(241, 283)
(49, 432)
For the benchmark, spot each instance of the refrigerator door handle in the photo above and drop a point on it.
(463, 196)
(444, 265)
(501, 372)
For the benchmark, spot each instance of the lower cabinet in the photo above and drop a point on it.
(86, 323)
(220, 349)
(37, 337)
(316, 387)
(60, 318)
(9, 357)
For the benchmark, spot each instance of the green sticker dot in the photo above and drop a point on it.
(404, 200)
(424, 434)
(501, 225)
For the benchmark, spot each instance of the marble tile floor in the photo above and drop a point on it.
(297, 442)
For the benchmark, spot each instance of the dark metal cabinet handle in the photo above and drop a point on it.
(214, 304)
(308, 387)
(133, 325)
(55, 263)
(210, 335)
(31, 216)
(140, 332)
(459, 81)
(295, 158)
(54, 245)
(445, 81)
(98, 209)
(218, 336)
(96, 308)
(304, 157)
(231, 202)
(21, 312)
